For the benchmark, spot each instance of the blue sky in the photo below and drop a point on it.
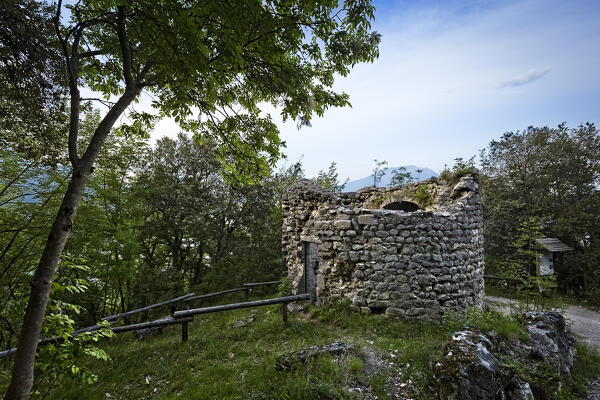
(453, 75)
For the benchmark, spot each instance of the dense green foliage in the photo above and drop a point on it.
(552, 175)
(31, 78)
(174, 225)
(29, 194)
(155, 223)
(521, 264)
(225, 59)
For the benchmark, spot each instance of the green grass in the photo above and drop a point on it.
(222, 362)
(585, 370)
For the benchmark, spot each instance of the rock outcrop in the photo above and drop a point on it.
(290, 361)
(483, 366)
(550, 340)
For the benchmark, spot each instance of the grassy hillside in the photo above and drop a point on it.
(221, 361)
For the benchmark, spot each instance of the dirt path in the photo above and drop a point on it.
(584, 323)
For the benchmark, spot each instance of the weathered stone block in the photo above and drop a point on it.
(366, 219)
(342, 224)
(397, 312)
(413, 312)
(405, 288)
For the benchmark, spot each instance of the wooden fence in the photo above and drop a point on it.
(258, 303)
(183, 317)
(247, 287)
(139, 310)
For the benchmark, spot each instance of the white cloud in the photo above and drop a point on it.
(530, 76)
(433, 94)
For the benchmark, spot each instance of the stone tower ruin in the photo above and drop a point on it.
(414, 251)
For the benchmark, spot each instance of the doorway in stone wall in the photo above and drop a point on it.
(311, 268)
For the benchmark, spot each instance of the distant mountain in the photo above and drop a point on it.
(353, 186)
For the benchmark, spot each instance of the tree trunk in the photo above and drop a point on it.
(22, 376)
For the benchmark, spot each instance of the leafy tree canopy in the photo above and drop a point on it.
(32, 81)
(224, 59)
(553, 175)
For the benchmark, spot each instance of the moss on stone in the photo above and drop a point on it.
(452, 177)
(422, 195)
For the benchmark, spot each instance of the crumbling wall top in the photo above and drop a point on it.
(307, 190)
(435, 194)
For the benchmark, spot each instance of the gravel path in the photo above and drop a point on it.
(584, 323)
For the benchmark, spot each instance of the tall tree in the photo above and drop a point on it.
(107, 233)
(181, 187)
(552, 174)
(222, 58)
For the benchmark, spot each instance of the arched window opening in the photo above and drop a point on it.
(406, 206)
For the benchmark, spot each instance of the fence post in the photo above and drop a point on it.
(184, 327)
(284, 312)
(248, 289)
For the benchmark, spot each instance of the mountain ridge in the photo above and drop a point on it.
(357, 184)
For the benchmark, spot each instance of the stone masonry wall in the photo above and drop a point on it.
(416, 264)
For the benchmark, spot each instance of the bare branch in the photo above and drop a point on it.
(105, 125)
(15, 197)
(105, 18)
